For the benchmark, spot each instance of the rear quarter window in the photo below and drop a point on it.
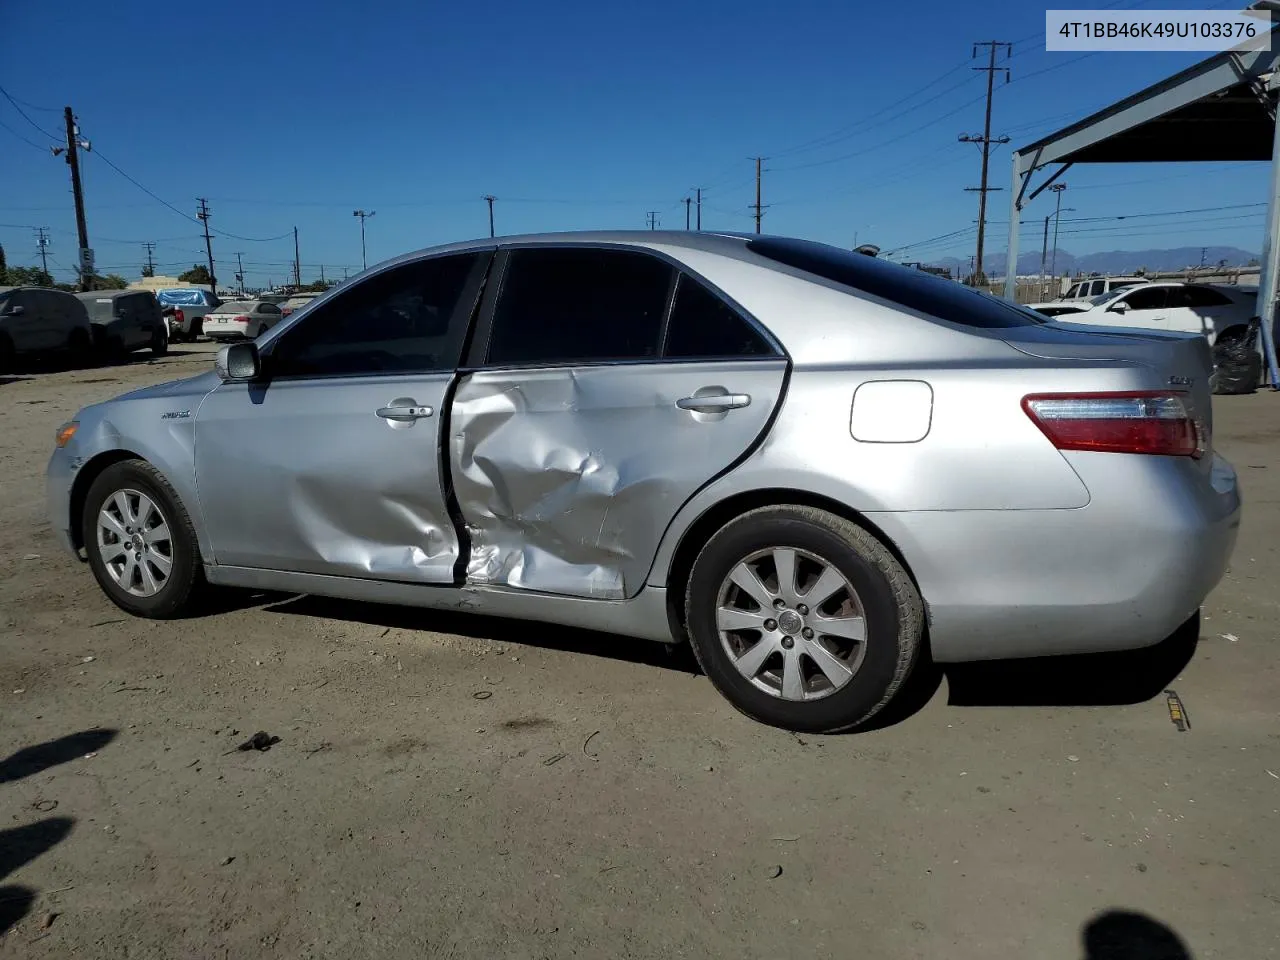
(913, 289)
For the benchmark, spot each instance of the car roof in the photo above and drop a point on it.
(107, 294)
(726, 244)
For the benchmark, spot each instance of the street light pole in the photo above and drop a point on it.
(364, 259)
(1057, 188)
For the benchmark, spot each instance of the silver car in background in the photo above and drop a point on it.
(798, 458)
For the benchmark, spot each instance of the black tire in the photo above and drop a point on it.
(891, 607)
(197, 328)
(186, 574)
(159, 342)
(80, 346)
(8, 355)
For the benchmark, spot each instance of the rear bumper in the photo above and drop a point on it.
(1121, 573)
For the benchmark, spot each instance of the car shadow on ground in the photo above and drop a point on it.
(1081, 680)
(20, 845)
(496, 629)
(56, 363)
(1126, 935)
(1102, 679)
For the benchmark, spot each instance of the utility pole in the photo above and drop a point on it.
(322, 279)
(150, 247)
(239, 274)
(297, 261)
(73, 161)
(688, 201)
(698, 193)
(42, 243)
(1044, 253)
(363, 215)
(652, 219)
(991, 69)
(488, 198)
(1057, 188)
(203, 215)
(759, 208)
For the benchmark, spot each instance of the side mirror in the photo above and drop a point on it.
(238, 362)
(1120, 306)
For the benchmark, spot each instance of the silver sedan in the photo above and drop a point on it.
(797, 458)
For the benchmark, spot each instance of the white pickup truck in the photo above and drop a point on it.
(185, 309)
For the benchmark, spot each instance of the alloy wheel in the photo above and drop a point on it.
(135, 543)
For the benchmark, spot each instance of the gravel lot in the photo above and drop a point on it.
(603, 800)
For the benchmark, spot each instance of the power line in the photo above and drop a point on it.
(23, 138)
(24, 116)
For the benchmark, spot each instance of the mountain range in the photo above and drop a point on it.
(1108, 262)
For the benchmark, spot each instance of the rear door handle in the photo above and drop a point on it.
(714, 403)
(402, 411)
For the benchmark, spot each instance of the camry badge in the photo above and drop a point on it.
(176, 415)
(1181, 381)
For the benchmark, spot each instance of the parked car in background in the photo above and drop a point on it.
(297, 302)
(37, 320)
(1078, 294)
(792, 455)
(241, 320)
(185, 308)
(126, 320)
(1220, 313)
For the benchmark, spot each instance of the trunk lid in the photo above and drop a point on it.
(1182, 362)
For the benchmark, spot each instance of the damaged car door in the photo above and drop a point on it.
(609, 388)
(331, 463)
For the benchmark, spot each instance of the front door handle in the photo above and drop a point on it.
(404, 411)
(714, 403)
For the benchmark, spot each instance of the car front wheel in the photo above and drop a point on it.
(140, 541)
(802, 619)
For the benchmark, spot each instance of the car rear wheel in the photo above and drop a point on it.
(140, 541)
(159, 342)
(802, 619)
(8, 356)
(79, 346)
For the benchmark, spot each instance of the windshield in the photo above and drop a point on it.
(1102, 298)
(237, 306)
(99, 308)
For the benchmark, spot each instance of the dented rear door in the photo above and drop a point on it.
(600, 409)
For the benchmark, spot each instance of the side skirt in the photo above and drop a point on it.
(644, 616)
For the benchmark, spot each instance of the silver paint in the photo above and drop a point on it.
(567, 477)
(578, 486)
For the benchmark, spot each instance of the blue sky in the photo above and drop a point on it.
(574, 115)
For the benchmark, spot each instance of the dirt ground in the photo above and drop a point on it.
(602, 800)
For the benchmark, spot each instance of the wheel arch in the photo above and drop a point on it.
(85, 476)
(712, 519)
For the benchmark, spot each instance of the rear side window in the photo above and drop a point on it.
(565, 305)
(1201, 297)
(904, 286)
(704, 326)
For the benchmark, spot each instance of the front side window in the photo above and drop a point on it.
(1148, 298)
(1074, 292)
(1099, 286)
(566, 305)
(401, 320)
(703, 326)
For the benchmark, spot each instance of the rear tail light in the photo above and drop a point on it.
(180, 317)
(1151, 423)
(241, 319)
(285, 311)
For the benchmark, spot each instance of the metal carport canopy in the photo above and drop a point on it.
(1221, 109)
